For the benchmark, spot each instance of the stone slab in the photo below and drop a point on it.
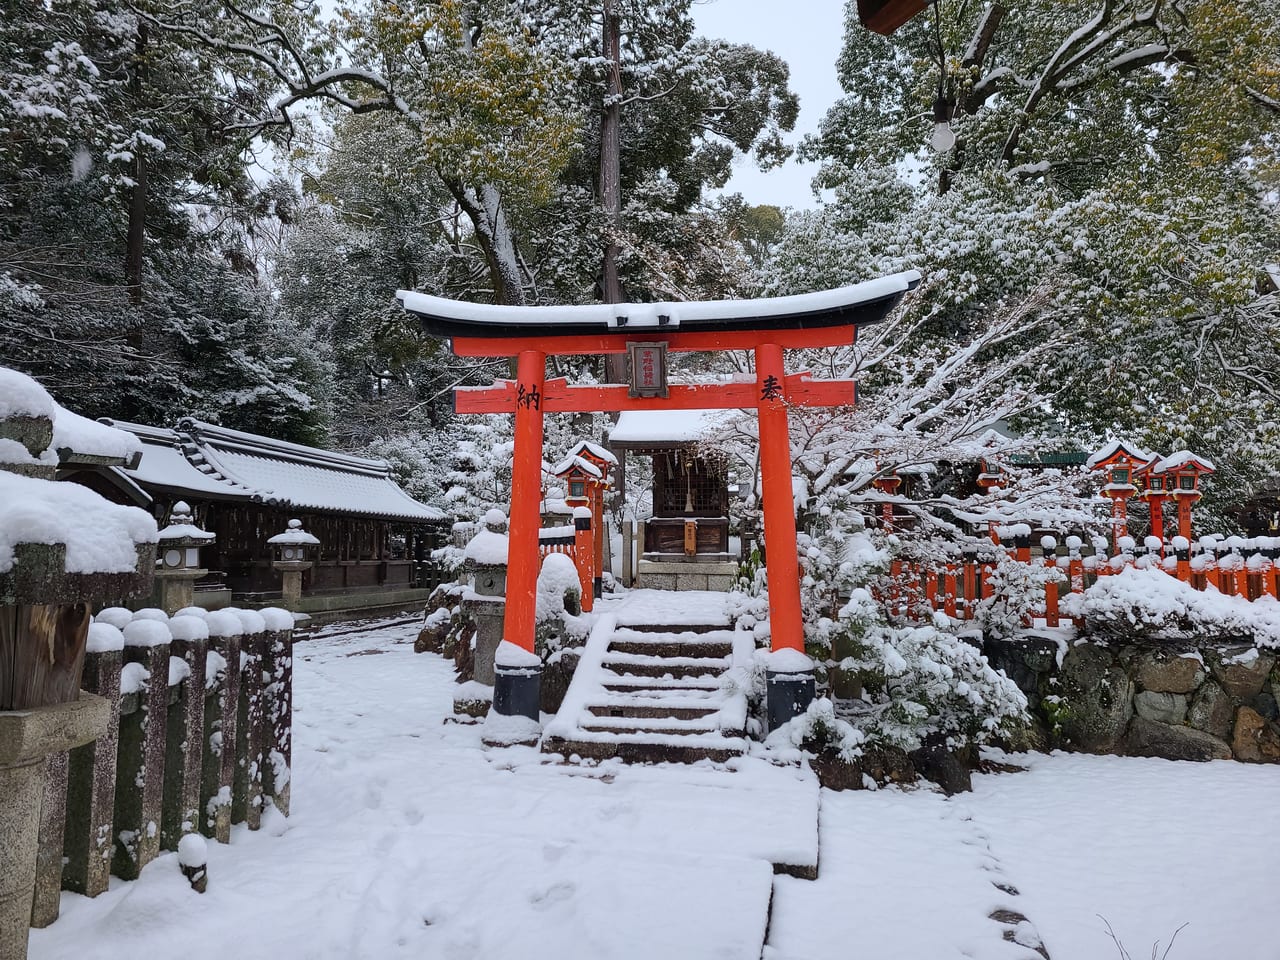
(27, 735)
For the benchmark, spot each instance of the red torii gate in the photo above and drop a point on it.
(766, 326)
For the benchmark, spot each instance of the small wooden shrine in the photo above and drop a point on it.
(690, 518)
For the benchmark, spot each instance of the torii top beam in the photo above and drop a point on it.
(826, 318)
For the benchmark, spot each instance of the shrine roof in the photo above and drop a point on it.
(204, 461)
(662, 429)
(862, 303)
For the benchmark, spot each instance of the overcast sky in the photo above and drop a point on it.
(805, 33)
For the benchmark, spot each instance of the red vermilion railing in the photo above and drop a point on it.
(1234, 567)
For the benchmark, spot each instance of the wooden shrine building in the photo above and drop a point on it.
(690, 483)
(375, 540)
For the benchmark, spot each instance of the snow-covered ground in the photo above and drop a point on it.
(409, 840)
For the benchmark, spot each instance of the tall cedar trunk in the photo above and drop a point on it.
(611, 179)
(137, 233)
(615, 364)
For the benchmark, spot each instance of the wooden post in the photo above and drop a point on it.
(628, 546)
(526, 487)
(785, 619)
(949, 591)
(41, 645)
(583, 544)
(1184, 516)
(601, 552)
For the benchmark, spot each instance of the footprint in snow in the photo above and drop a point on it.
(556, 893)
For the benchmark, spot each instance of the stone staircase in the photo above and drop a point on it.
(657, 691)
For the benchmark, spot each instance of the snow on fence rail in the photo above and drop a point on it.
(200, 740)
(1233, 566)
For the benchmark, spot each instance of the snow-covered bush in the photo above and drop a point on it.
(919, 681)
(1151, 604)
(1017, 591)
(819, 731)
(559, 613)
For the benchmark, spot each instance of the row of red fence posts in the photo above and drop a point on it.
(1233, 566)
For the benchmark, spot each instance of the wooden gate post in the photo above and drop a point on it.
(790, 676)
(584, 542)
(516, 686)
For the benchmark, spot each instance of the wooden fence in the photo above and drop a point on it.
(200, 740)
(1234, 566)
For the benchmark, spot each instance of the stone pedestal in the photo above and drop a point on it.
(291, 572)
(517, 691)
(788, 695)
(27, 737)
(175, 589)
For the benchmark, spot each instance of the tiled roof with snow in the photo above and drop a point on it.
(208, 461)
(1116, 448)
(646, 428)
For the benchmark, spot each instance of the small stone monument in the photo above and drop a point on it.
(178, 555)
(295, 552)
(61, 547)
(484, 560)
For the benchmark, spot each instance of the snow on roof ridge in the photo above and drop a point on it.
(210, 434)
(1113, 447)
(211, 452)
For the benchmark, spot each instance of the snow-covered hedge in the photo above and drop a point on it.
(922, 680)
(1151, 604)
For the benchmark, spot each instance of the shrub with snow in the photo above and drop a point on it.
(1017, 591)
(919, 681)
(1150, 604)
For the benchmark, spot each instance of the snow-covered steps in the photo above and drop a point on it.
(660, 679)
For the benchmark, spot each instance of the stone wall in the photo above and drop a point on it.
(1180, 701)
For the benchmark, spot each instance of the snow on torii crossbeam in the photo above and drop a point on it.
(766, 326)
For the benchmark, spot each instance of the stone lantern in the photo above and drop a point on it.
(178, 559)
(294, 553)
(64, 548)
(485, 561)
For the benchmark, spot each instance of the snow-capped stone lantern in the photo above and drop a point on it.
(1120, 462)
(63, 548)
(1182, 472)
(295, 553)
(178, 559)
(484, 560)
